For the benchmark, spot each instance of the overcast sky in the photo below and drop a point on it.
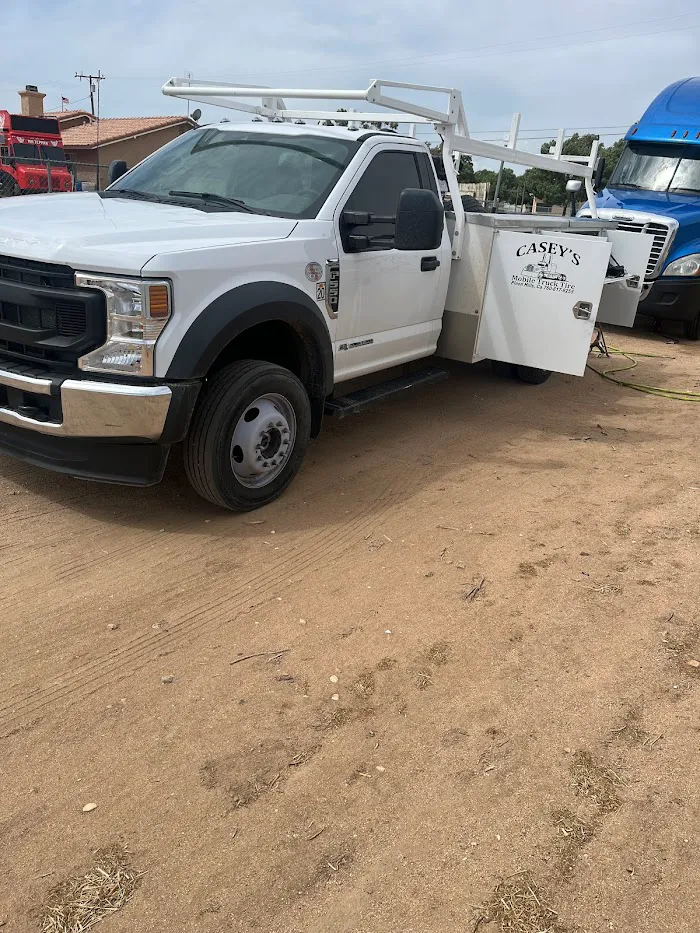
(596, 70)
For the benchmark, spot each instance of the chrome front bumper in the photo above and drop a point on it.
(91, 408)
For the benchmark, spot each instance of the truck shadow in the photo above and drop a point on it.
(398, 446)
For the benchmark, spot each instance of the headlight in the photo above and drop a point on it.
(686, 265)
(137, 312)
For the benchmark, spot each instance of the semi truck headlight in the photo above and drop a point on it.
(686, 265)
(137, 312)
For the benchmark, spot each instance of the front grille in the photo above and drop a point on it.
(662, 235)
(44, 318)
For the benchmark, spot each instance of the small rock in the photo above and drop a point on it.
(333, 678)
(302, 621)
(112, 626)
(387, 631)
(429, 573)
(167, 679)
(335, 697)
(380, 768)
(89, 807)
(693, 663)
(460, 566)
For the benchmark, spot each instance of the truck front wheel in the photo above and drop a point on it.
(248, 435)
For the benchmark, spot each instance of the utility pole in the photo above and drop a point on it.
(94, 84)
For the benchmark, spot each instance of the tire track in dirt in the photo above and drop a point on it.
(223, 544)
(131, 657)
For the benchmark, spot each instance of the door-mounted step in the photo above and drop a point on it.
(355, 401)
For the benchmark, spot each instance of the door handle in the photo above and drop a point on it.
(429, 263)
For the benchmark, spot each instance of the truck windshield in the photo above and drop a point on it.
(25, 151)
(53, 154)
(658, 167)
(266, 173)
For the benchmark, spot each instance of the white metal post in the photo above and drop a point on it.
(447, 133)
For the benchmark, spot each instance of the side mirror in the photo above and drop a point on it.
(117, 168)
(598, 174)
(419, 220)
(573, 186)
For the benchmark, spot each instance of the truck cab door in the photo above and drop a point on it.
(621, 296)
(390, 301)
(541, 299)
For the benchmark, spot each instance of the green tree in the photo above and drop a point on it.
(612, 157)
(466, 165)
(550, 187)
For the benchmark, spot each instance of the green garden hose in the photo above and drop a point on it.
(678, 394)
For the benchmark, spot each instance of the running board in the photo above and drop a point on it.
(356, 401)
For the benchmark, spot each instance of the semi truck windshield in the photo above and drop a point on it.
(654, 167)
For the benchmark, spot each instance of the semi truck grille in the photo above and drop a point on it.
(662, 235)
(662, 229)
(44, 318)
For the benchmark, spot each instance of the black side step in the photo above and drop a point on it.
(356, 401)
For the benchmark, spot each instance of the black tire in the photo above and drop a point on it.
(471, 205)
(531, 375)
(691, 329)
(8, 186)
(221, 405)
(503, 370)
(528, 374)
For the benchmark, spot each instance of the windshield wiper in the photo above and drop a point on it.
(132, 193)
(215, 199)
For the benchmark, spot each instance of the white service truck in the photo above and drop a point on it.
(226, 291)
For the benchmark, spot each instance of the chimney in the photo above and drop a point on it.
(32, 101)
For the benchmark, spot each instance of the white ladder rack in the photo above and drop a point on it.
(450, 124)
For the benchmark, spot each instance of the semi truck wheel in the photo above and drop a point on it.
(691, 329)
(248, 436)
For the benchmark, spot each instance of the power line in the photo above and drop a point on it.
(506, 45)
(499, 49)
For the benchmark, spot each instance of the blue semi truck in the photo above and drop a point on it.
(655, 189)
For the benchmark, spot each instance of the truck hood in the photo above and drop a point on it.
(120, 235)
(681, 207)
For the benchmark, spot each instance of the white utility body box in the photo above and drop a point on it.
(530, 288)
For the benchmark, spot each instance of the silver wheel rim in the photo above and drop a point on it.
(263, 440)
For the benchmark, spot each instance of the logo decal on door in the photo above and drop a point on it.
(355, 344)
(543, 272)
(320, 291)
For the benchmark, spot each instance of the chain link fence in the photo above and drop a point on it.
(41, 176)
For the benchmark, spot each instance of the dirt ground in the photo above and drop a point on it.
(457, 649)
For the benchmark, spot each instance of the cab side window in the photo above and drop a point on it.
(377, 192)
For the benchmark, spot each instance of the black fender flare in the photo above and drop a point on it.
(243, 307)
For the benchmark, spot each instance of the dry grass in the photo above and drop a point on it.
(519, 907)
(595, 781)
(573, 833)
(80, 902)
